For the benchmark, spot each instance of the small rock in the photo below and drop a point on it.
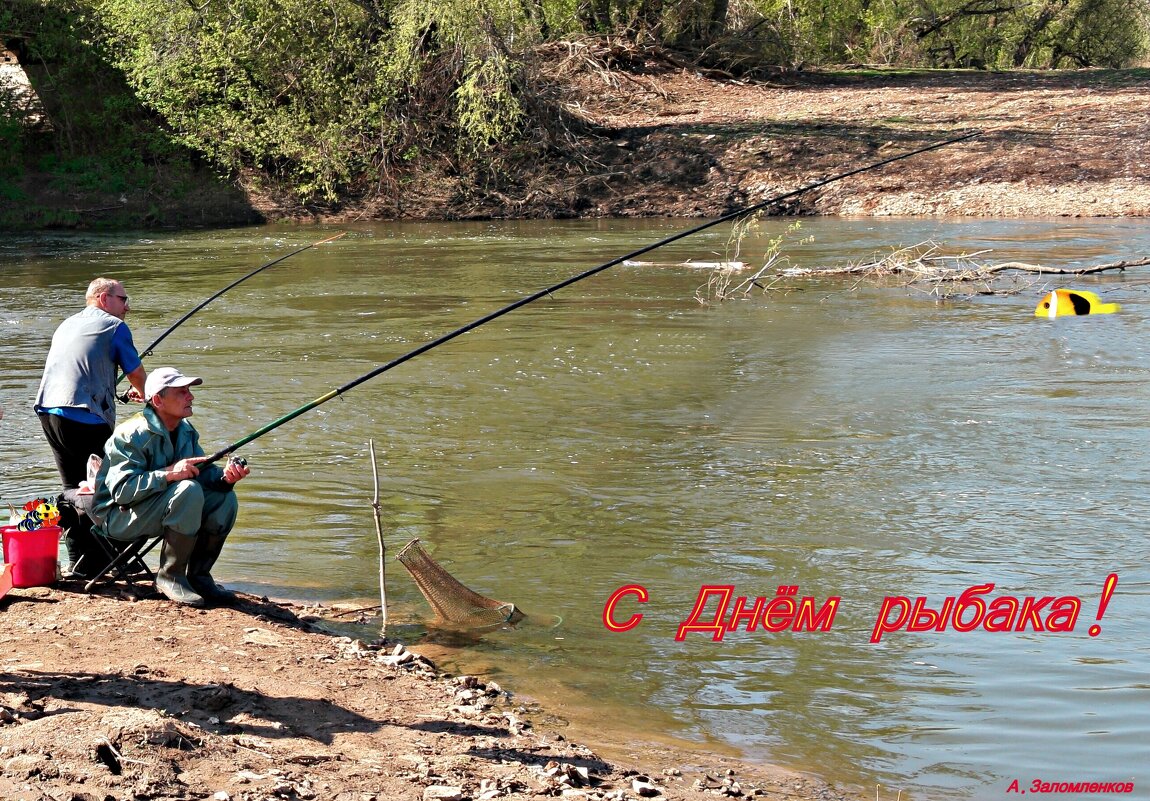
(221, 795)
(400, 657)
(642, 786)
(25, 766)
(441, 792)
(215, 700)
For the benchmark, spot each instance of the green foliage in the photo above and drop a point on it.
(100, 138)
(728, 279)
(10, 192)
(11, 141)
(332, 98)
(999, 34)
(321, 95)
(1107, 33)
(985, 34)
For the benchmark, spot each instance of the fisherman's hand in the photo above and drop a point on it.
(235, 470)
(184, 469)
(133, 395)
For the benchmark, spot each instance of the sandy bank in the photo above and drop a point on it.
(103, 697)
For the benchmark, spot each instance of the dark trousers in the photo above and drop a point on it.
(72, 443)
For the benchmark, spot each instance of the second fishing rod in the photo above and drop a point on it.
(148, 351)
(435, 343)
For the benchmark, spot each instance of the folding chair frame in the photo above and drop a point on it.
(123, 558)
(125, 561)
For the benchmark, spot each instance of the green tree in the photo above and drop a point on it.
(322, 95)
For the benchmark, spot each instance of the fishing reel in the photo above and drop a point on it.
(238, 461)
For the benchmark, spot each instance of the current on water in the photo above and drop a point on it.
(849, 439)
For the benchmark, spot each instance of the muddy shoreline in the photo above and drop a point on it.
(120, 695)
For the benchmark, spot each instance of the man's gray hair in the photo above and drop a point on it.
(98, 287)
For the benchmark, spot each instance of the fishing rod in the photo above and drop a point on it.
(151, 348)
(435, 343)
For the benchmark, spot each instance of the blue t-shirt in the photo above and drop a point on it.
(124, 354)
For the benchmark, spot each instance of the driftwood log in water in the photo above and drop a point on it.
(921, 264)
(925, 261)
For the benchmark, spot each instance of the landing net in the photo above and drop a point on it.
(454, 604)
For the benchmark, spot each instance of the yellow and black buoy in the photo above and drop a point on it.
(1067, 302)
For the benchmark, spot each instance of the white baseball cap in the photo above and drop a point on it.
(164, 377)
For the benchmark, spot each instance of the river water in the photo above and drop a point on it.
(849, 439)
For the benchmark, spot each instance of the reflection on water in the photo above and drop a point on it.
(851, 440)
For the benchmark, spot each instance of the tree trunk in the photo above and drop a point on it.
(594, 15)
(1026, 44)
(585, 16)
(648, 20)
(533, 9)
(603, 15)
(718, 24)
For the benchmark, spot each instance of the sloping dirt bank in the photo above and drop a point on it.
(106, 699)
(1072, 144)
(648, 136)
(674, 142)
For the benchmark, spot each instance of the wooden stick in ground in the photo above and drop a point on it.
(379, 537)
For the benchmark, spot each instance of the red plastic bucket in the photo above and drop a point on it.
(32, 555)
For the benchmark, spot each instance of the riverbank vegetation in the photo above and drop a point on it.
(318, 106)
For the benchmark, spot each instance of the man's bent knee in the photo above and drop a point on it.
(220, 512)
(185, 507)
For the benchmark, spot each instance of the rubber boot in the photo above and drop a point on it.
(207, 551)
(85, 557)
(68, 521)
(172, 577)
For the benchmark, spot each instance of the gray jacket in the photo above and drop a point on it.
(136, 457)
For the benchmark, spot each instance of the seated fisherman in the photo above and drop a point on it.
(150, 483)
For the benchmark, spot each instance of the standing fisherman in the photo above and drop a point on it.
(76, 403)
